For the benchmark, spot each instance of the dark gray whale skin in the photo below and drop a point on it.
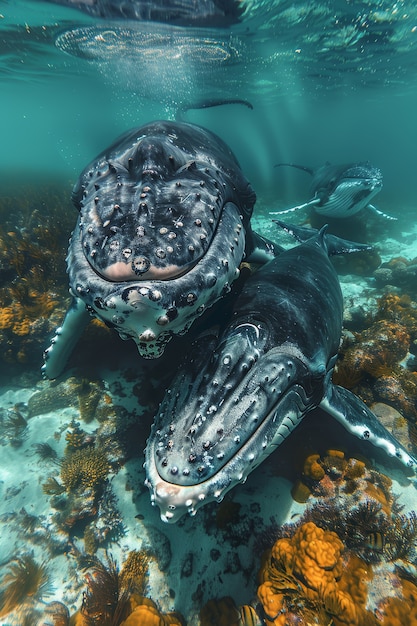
(272, 364)
(164, 223)
(220, 13)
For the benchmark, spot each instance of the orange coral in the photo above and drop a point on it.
(312, 467)
(355, 579)
(316, 555)
(305, 576)
(147, 614)
(355, 468)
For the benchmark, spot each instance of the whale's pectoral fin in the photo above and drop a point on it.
(66, 336)
(381, 213)
(261, 249)
(359, 420)
(335, 245)
(312, 202)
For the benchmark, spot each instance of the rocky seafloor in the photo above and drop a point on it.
(324, 532)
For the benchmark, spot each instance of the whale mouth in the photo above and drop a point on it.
(124, 272)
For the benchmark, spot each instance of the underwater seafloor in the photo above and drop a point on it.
(323, 532)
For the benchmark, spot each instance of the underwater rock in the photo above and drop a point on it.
(400, 272)
(187, 565)
(377, 363)
(393, 421)
(86, 395)
(403, 310)
(392, 390)
(359, 263)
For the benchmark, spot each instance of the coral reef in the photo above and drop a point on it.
(400, 272)
(301, 576)
(332, 564)
(375, 363)
(32, 270)
(84, 469)
(310, 577)
(356, 502)
(114, 598)
(87, 395)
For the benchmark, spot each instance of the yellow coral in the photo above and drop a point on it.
(84, 469)
(134, 571)
(300, 492)
(355, 468)
(18, 316)
(272, 602)
(355, 579)
(6, 317)
(339, 604)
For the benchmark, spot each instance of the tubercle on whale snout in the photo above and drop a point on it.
(150, 312)
(150, 230)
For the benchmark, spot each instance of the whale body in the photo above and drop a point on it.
(238, 395)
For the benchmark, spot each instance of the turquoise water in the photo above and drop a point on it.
(327, 82)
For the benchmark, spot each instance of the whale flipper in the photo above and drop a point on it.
(359, 420)
(65, 339)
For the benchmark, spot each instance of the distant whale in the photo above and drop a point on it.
(238, 396)
(340, 191)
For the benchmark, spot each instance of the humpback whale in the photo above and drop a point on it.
(241, 392)
(163, 225)
(340, 191)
